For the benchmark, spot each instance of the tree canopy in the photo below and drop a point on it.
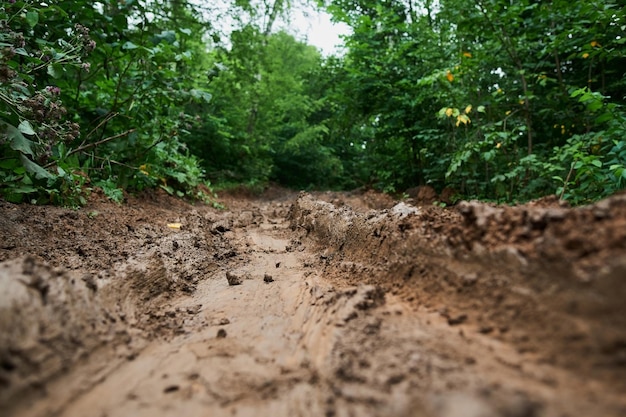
(493, 99)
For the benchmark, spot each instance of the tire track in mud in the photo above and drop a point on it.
(329, 336)
(253, 349)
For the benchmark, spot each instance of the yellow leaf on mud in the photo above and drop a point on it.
(449, 76)
(174, 225)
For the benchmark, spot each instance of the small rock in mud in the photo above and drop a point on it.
(453, 321)
(469, 279)
(485, 329)
(90, 282)
(220, 227)
(171, 388)
(221, 333)
(402, 210)
(268, 278)
(223, 321)
(246, 218)
(194, 309)
(233, 279)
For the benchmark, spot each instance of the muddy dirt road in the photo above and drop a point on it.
(329, 304)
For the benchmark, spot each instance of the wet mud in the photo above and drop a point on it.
(335, 304)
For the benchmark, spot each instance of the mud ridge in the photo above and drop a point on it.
(557, 307)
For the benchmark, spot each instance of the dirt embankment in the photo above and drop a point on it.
(291, 305)
(547, 280)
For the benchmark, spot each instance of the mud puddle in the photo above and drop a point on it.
(331, 308)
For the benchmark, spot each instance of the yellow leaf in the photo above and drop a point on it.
(449, 111)
(499, 145)
(594, 44)
(174, 225)
(508, 112)
(585, 55)
(144, 169)
(468, 109)
(461, 118)
(467, 54)
(449, 76)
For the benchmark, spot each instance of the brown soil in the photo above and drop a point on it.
(331, 304)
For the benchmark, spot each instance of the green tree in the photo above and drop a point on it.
(265, 122)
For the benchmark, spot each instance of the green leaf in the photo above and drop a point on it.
(597, 163)
(186, 31)
(23, 189)
(21, 51)
(32, 18)
(129, 45)
(18, 141)
(603, 118)
(34, 168)
(594, 105)
(55, 70)
(26, 128)
(201, 95)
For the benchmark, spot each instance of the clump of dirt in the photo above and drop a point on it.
(584, 238)
(48, 321)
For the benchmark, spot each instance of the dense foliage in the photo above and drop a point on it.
(494, 99)
(503, 100)
(93, 94)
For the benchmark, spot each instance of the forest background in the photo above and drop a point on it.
(499, 100)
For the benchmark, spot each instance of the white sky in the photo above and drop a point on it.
(306, 24)
(316, 29)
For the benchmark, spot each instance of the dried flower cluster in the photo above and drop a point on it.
(21, 98)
